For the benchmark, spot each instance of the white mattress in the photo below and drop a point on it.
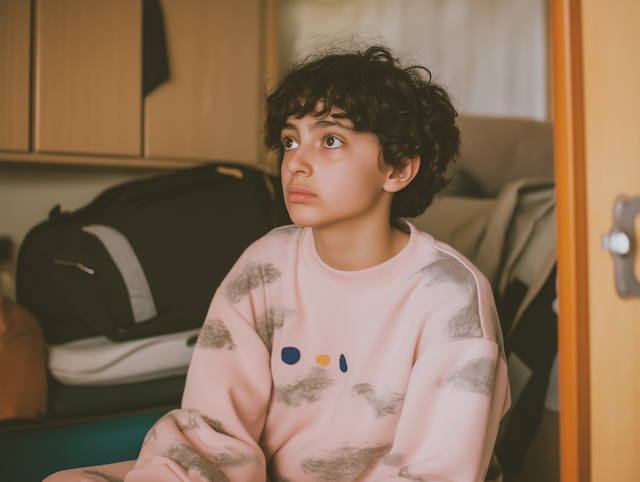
(100, 361)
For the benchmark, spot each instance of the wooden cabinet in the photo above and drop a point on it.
(210, 106)
(71, 81)
(15, 49)
(88, 69)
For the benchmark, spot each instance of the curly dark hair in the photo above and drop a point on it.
(409, 114)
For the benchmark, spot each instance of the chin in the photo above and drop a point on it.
(301, 217)
(316, 218)
(305, 221)
(302, 222)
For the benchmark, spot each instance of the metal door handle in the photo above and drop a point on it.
(621, 242)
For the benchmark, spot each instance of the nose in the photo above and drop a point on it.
(297, 161)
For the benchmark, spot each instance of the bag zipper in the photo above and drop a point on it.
(80, 266)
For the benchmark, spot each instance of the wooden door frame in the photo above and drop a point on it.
(573, 289)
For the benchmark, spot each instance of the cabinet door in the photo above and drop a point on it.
(15, 56)
(209, 108)
(88, 94)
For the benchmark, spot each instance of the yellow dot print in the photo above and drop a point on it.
(323, 360)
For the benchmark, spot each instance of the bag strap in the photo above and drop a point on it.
(129, 266)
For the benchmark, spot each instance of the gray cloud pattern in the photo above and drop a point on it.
(215, 335)
(447, 269)
(103, 476)
(345, 463)
(184, 420)
(235, 459)
(475, 376)
(382, 405)
(190, 459)
(217, 426)
(406, 473)
(306, 389)
(252, 276)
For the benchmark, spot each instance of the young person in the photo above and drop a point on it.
(349, 346)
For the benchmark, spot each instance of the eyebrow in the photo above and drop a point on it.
(319, 125)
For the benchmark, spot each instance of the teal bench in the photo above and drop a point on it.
(30, 454)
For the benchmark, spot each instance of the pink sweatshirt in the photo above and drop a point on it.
(306, 373)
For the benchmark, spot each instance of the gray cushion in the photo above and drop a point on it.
(498, 150)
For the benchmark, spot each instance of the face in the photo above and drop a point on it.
(330, 174)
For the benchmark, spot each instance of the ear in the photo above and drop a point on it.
(399, 178)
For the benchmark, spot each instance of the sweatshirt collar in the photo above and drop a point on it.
(406, 261)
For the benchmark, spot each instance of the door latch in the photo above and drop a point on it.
(621, 242)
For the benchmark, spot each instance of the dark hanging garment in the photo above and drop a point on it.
(534, 343)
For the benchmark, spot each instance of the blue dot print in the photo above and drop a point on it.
(290, 355)
(343, 364)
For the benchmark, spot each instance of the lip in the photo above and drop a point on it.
(300, 189)
(299, 194)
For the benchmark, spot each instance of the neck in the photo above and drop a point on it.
(354, 247)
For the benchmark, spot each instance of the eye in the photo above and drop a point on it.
(332, 142)
(289, 143)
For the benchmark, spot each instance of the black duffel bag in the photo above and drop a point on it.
(145, 257)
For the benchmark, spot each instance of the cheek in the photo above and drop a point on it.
(284, 175)
(351, 187)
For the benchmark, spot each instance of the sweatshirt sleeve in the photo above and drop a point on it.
(214, 436)
(458, 391)
(457, 394)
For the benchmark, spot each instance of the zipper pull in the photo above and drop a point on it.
(80, 266)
